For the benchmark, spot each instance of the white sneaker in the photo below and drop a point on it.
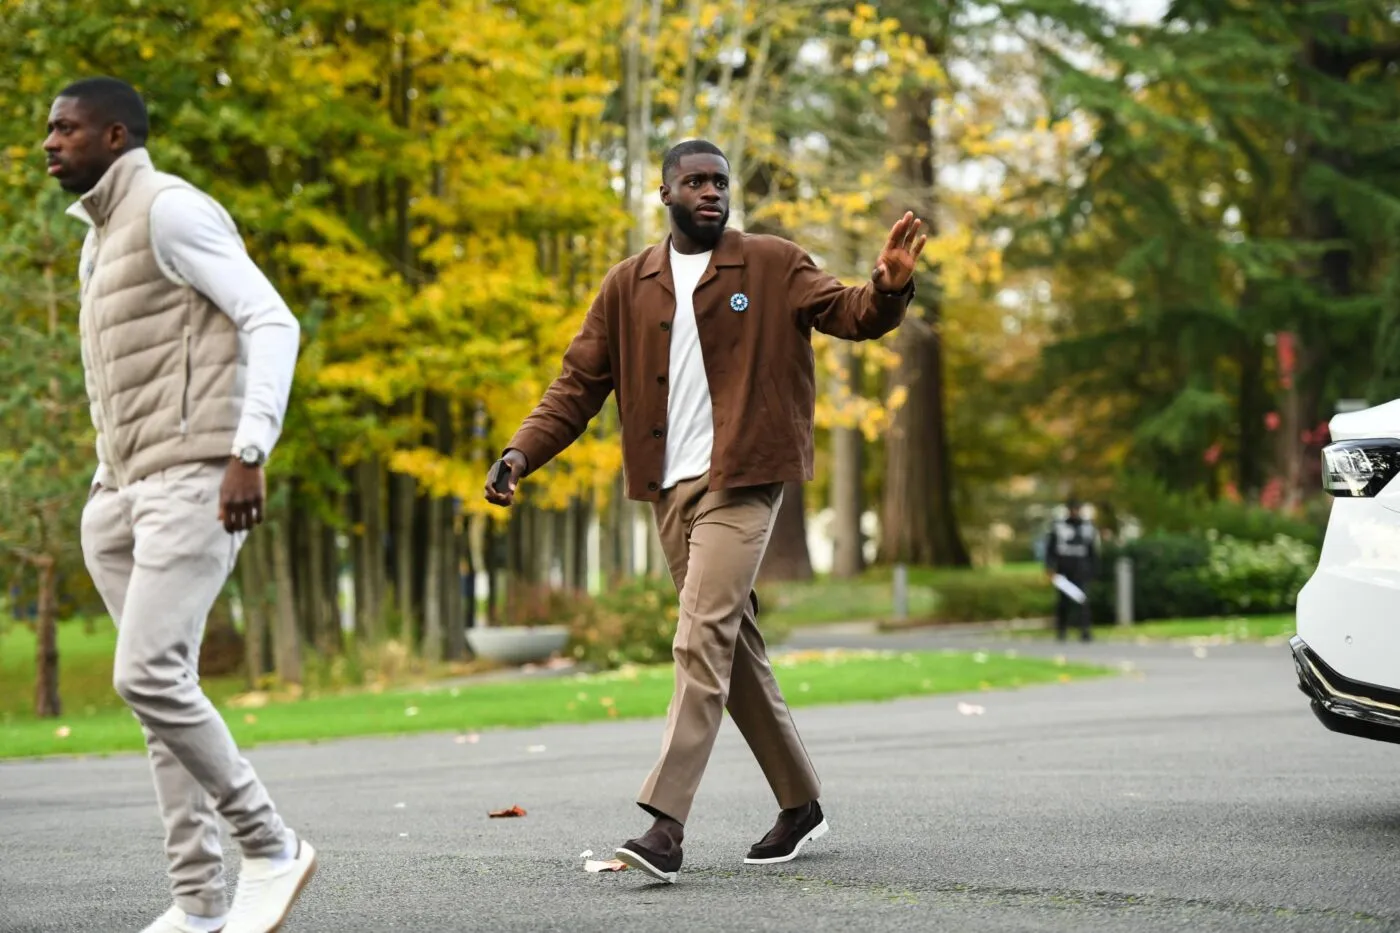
(173, 920)
(266, 893)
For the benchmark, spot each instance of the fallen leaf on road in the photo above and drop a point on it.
(513, 811)
(971, 709)
(586, 853)
(63, 732)
(610, 865)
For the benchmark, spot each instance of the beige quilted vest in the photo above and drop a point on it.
(164, 366)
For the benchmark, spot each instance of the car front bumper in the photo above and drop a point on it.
(1346, 706)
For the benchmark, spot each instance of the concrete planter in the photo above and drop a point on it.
(517, 644)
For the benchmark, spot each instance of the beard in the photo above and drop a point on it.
(706, 234)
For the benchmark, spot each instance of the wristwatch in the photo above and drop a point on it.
(250, 456)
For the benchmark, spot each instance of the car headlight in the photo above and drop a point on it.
(1359, 469)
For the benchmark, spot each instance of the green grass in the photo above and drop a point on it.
(869, 598)
(1228, 628)
(807, 679)
(84, 670)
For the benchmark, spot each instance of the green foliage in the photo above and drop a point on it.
(1180, 576)
(1161, 509)
(634, 623)
(1237, 186)
(985, 597)
(1167, 579)
(1250, 577)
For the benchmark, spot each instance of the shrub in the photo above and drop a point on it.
(1180, 576)
(1258, 577)
(976, 597)
(631, 623)
(1165, 511)
(1167, 579)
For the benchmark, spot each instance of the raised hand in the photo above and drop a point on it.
(896, 264)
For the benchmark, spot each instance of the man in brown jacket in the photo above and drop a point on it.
(707, 341)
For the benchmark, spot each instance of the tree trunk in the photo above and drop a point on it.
(847, 480)
(457, 555)
(371, 563)
(46, 699)
(405, 496)
(324, 627)
(787, 557)
(286, 640)
(491, 551)
(432, 589)
(1253, 399)
(626, 532)
(252, 586)
(919, 525)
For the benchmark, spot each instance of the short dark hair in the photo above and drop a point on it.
(683, 149)
(115, 101)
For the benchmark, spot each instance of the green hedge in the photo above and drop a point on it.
(994, 597)
(1170, 512)
(1180, 576)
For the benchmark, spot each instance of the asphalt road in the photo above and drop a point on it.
(1195, 794)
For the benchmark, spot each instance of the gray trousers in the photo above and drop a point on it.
(159, 557)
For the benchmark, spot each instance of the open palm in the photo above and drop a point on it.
(902, 249)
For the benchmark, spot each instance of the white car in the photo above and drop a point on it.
(1347, 650)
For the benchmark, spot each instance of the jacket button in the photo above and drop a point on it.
(661, 380)
(665, 325)
(652, 487)
(655, 432)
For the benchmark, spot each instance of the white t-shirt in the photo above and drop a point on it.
(690, 419)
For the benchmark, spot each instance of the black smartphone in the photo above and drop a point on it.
(501, 481)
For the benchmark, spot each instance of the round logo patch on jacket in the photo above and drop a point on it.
(739, 302)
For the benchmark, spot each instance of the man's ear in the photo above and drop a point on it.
(666, 195)
(117, 137)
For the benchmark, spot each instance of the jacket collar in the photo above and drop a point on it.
(728, 252)
(97, 205)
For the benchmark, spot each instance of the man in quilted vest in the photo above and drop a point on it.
(188, 353)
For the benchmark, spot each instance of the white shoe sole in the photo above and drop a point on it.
(632, 859)
(817, 832)
(301, 886)
(302, 882)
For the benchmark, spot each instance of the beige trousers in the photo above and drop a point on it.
(159, 557)
(714, 543)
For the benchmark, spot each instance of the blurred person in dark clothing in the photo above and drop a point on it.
(1072, 551)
